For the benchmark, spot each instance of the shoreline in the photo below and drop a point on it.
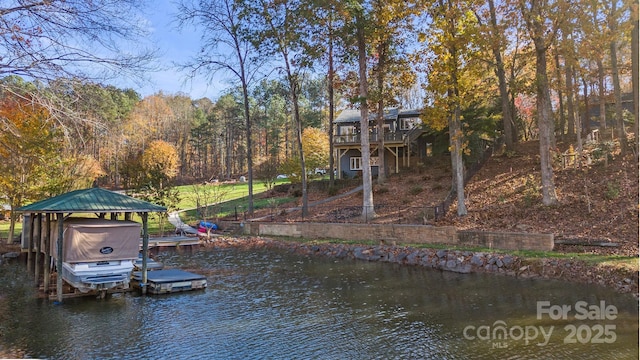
(461, 261)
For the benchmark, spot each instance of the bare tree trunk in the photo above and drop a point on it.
(368, 211)
(533, 13)
(382, 176)
(331, 108)
(293, 84)
(635, 64)
(245, 94)
(579, 130)
(603, 109)
(571, 116)
(545, 126)
(456, 136)
(613, 26)
(507, 119)
(12, 226)
(562, 123)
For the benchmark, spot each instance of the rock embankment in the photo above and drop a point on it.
(460, 261)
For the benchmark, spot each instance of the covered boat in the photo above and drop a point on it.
(97, 254)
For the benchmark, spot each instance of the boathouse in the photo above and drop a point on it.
(97, 202)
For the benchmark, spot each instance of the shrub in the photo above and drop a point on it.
(531, 190)
(613, 191)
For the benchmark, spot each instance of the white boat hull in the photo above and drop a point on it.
(99, 275)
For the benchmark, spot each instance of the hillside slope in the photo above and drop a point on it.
(597, 204)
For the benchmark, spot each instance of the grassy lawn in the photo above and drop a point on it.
(235, 207)
(219, 192)
(4, 229)
(229, 196)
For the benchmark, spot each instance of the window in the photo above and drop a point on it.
(408, 123)
(355, 163)
(347, 130)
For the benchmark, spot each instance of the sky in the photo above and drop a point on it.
(174, 46)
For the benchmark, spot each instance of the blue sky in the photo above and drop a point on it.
(174, 46)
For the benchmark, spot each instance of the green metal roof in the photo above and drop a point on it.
(94, 200)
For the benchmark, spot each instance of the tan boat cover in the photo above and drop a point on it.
(88, 240)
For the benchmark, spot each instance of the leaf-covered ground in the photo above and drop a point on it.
(597, 204)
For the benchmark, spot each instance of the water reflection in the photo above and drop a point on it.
(275, 305)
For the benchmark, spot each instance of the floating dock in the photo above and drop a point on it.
(170, 281)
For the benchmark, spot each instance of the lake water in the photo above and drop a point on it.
(276, 305)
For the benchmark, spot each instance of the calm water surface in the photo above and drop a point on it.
(274, 305)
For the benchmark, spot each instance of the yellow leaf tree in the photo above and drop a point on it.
(315, 145)
(452, 73)
(28, 144)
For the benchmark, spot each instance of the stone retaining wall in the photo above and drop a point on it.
(460, 261)
(403, 234)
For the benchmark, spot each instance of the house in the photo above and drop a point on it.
(594, 109)
(404, 138)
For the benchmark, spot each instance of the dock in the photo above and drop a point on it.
(170, 281)
(172, 241)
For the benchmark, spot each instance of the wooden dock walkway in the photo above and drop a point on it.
(172, 241)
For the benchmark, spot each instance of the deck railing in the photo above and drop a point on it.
(373, 137)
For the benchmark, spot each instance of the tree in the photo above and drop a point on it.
(614, 16)
(222, 30)
(357, 11)
(391, 24)
(315, 144)
(267, 171)
(72, 39)
(207, 199)
(45, 40)
(227, 113)
(276, 31)
(541, 17)
(159, 165)
(150, 120)
(160, 162)
(635, 69)
(496, 38)
(183, 120)
(272, 117)
(325, 22)
(453, 78)
(28, 146)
